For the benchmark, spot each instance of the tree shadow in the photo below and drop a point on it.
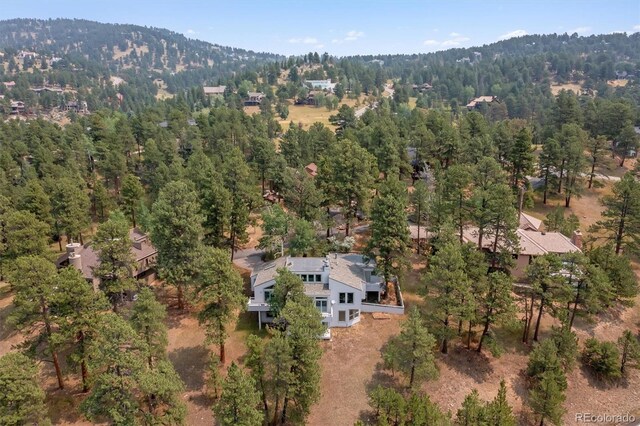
(380, 377)
(468, 362)
(602, 383)
(188, 362)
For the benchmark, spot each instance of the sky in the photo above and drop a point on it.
(347, 27)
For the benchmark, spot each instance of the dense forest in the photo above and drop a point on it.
(194, 172)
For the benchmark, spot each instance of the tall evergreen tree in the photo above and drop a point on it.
(239, 400)
(219, 287)
(176, 231)
(131, 194)
(21, 399)
(411, 352)
(389, 242)
(34, 281)
(117, 265)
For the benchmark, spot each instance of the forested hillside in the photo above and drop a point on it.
(526, 202)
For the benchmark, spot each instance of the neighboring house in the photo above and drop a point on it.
(17, 107)
(214, 90)
(532, 243)
(422, 87)
(9, 84)
(475, 103)
(85, 258)
(311, 169)
(254, 98)
(321, 84)
(341, 285)
(79, 107)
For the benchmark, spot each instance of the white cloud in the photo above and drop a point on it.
(580, 30)
(319, 46)
(515, 33)
(191, 32)
(304, 40)
(457, 40)
(636, 27)
(352, 35)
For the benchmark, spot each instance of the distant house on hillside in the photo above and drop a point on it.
(17, 107)
(321, 84)
(475, 103)
(421, 88)
(9, 84)
(85, 257)
(77, 107)
(214, 90)
(341, 286)
(253, 98)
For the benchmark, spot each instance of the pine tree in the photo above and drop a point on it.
(495, 302)
(220, 289)
(70, 208)
(420, 204)
(545, 278)
(498, 411)
(619, 271)
(411, 352)
(603, 358)
(79, 307)
(389, 242)
(546, 399)
(239, 400)
(118, 356)
(34, 281)
(117, 265)
(21, 399)
(629, 350)
(446, 276)
(148, 320)
(621, 217)
(176, 232)
(544, 359)
(276, 225)
(472, 412)
(130, 196)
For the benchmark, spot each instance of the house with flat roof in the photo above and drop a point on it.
(321, 84)
(342, 286)
(214, 90)
(85, 257)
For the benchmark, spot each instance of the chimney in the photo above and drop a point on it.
(75, 260)
(576, 239)
(73, 248)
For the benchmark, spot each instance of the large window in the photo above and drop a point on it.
(321, 304)
(345, 297)
(267, 295)
(353, 314)
(342, 316)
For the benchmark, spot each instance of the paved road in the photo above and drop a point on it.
(388, 92)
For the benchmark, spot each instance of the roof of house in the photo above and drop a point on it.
(533, 243)
(481, 99)
(214, 90)
(255, 95)
(347, 269)
(312, 169)
(529, 222)
(141, 248)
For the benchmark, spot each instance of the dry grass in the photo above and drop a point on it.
(618, 83)
(574, 87)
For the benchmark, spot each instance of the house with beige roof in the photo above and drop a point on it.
(342, 286)
(531, 243)
(475, 103)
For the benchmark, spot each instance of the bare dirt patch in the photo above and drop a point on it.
(574, 87)
(618, 83)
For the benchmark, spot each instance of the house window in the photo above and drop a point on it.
(353, 314)
(321, 304)
(342, 316)
(346, 297)
(304, 278)
(318, 278)
(267, 295)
